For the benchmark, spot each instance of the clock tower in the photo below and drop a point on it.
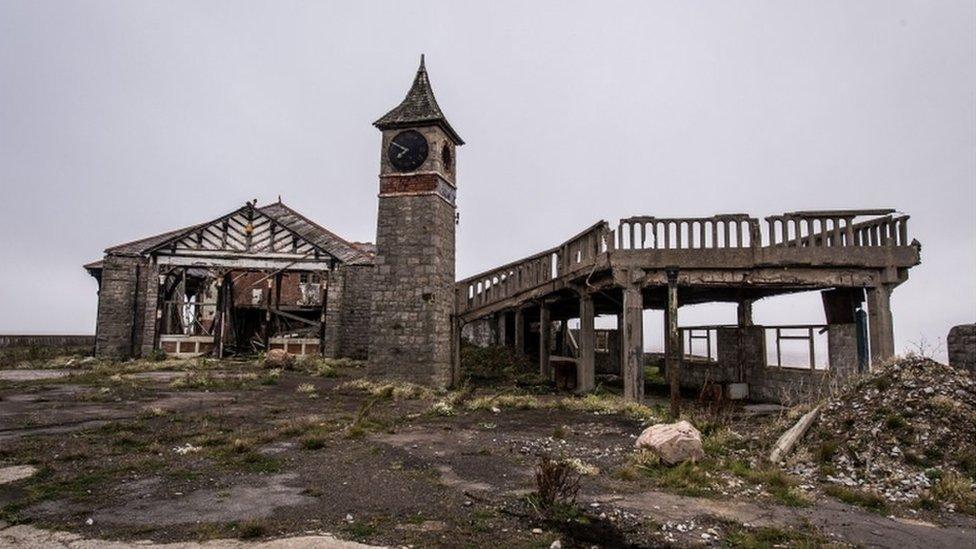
(413, 282)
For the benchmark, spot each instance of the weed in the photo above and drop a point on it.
(251, 529)
(359, 530)
(313, 443)
(895, 422)
(826, 451)
(775, 481)
(955, 489)
(308, 390)
(400, 390)
(862, 498)
(442, 408)
(556, 482)
(761, 538)
(687, 478)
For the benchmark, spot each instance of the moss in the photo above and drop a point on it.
(775, 481)
(761, 538)
(861, 498)
(251, 529)
(688, 479)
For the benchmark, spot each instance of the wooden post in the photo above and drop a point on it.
(632, 342)
(585, 366)
(545, 338)
(880, 326)
(519, 332)
(673, 359)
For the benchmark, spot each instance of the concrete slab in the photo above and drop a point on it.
(15, 473)
(33, 375)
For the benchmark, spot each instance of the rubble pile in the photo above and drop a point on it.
(896, 432)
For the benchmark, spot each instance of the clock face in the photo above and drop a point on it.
(407, 151)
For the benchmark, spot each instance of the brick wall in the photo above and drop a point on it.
(961, 345)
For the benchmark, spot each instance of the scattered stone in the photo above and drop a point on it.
(895, 431)
(672, 442)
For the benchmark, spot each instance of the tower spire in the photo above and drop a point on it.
(419, 107)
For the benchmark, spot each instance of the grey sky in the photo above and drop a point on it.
(122, 119)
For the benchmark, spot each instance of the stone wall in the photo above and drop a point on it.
(482, 332)
(413, 297)
(742, 357)
(65, 342)
(842, 350)
(355, 315)
(961, 345)
(121, 309)
(334, 294)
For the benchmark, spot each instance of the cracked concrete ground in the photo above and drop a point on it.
(164, 467)
(29, 537)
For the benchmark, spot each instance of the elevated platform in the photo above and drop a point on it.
(663, 262)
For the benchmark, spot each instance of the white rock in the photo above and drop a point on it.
(672, 442)
(556, 545)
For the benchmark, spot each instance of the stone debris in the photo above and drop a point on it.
(672, 442)
(896, 431)
(278, 358)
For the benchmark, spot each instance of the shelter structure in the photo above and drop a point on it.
(254, 279)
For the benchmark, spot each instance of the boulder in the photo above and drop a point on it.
(672, 442)
(278, 358)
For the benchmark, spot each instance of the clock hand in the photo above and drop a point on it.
(405, 151)
(399, 146)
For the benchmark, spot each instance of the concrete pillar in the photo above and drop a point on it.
(880, 325)
(545, 337)
(744, 313)
(585, 366)
(502, 332)
(673, 337)
(632, 343)
(621, 348)
(519, 332)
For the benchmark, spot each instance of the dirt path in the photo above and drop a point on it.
(842, 521)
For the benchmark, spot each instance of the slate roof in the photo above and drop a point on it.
(343, 250)
(419, 107)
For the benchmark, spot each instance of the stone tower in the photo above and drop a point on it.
(413, 292)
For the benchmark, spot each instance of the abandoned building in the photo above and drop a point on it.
(851, 256)
(266, 277)
(256, 278)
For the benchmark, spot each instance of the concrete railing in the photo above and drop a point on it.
(490, 287)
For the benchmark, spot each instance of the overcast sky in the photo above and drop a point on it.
(122, 119)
